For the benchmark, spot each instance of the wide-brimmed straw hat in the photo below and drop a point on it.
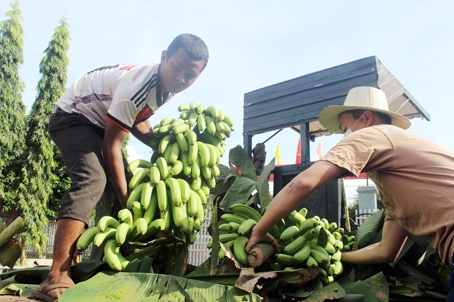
(365, 98)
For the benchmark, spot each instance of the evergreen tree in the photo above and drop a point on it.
(12, 109)
(39, 165)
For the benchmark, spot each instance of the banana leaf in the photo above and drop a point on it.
(263, 186)
(374, 288)
(239, 192)
(370, 229)
(240, 162)
(21, 290)
(152, 287)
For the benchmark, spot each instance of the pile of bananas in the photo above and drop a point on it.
(168, 194)
(307, 242)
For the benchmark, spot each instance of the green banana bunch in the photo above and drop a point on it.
(168, 193)
(308, 242)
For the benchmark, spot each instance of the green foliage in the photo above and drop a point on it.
(12, 109)
(243, 185)
(43, 173)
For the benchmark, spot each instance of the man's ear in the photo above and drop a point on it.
(368, 116)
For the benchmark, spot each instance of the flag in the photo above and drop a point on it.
(319, 150)
(278, 154)
(298, 152)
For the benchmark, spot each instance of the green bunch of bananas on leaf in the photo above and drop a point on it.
(308, 242)
(168, 194)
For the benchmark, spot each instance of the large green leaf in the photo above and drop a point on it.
(152, 287)
(240, 162)
(370, 228)
(239, 192)
(264, 187)
(374, 288)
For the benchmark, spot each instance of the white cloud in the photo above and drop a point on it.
(132, 153)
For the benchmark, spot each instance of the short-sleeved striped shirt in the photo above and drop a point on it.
(122, 94)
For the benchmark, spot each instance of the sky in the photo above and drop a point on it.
(254, 44)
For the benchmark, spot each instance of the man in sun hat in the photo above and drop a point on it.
(414, 177)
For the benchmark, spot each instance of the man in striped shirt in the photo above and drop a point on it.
(91, 121)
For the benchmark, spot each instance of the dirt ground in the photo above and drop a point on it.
(5, 298)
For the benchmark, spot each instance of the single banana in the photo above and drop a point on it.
(215, 156)
(196, 184)
(150, 212)
(194, 105)
(223, 238)
(180, 128)
(336, 256)
(185, 190)
(138, 163)
(167, 121)
(137, 210)
(210, 125)
(302, 255)
(165, 129)
(195, 169)
(163, 167)
(201, 124)
(174, 153)
(200, 108)
(161, 191)
(139, 176)
(122, 233)
(204, 153)
(219, 126)
(228, 120)
(193, 153)
(145, 197)
(107, 222)
(139, 227)
(176, 168)
(178, 215)
(239, 250)
(311, 262)
(213, 111)
(203, 196)
(184, 114)
(228, 217)
(193, 203)
(86, 238)
(182, 142)
(135, 194)
(246, 226)
(184, 107)
(296, 244)
(101, 237)
(175, 191)
(245, 211)
(113, 256)
(192, 119)
(206, 172)
(308, 224)
(296, 218)
(125, 215)
(187, 168)
(284, 259)
(164, 143)
(154, 175)
(289, 233)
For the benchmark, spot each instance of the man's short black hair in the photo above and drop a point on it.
(193, 45)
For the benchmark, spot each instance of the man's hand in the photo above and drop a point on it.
(256, 238)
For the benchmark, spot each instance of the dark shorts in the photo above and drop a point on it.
(80, 143)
